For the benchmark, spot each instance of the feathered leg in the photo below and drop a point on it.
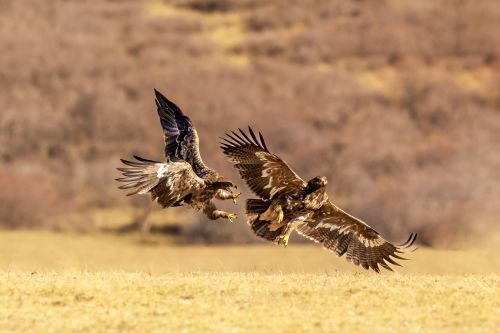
(283, 238)
(274, 214)
(213, 213)
(222, 194)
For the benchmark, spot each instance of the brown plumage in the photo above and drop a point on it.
(289, 203)
(183, 178)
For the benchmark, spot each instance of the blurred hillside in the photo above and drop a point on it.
(397, 102)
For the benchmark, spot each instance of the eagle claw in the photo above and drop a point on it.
(281, 216)
(283, 240)
(235, 196)
(231, 217)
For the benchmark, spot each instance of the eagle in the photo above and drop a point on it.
(182, 178)
(289, 203)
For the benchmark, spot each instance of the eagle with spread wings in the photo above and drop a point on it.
(289, 203)
(183, 178)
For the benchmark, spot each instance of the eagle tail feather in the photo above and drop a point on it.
(255, 207)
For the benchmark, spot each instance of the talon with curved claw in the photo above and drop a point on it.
(231, 217)
(281, 216)
(235, 196)
(283, 240)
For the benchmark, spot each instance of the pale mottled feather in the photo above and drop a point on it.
(345, 234)
(167, 182)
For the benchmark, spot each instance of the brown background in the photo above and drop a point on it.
(397, 102)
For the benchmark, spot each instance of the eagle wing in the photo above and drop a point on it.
(181, 138)
(343, 233)
(168, 183)
(267, 175)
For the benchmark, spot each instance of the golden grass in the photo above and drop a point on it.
(116, 217)
(60, 283)
(247, 302)
(46, 251)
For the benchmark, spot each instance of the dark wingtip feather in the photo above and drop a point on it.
(384, 264)
(159, 99)
(398, 257)
(262, 141)
(239, 137)
(138, 158)
(411, 240)
(234, 139)
(389, 259)
(145, 160)
(252, 134)
(245, 135)
(165, 103)
(159, 96)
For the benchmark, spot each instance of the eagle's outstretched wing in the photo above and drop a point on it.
(181, 138)
(168, 183)
(266, 174)
(343, 233)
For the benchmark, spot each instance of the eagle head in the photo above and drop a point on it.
(316, 183)
(225, 184)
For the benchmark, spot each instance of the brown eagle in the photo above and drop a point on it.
(183, 178)
(289, 203)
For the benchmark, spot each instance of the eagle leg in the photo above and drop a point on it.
(222, 194)
(282, 240)
(235, 196)
(231, 216)
(276, 221)
(220, 213)
(284, 237)
(213, 213)
(273, 213)
(273, 226)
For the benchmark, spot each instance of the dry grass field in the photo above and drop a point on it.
(104, 283)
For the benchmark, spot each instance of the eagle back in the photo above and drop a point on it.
(316, 199)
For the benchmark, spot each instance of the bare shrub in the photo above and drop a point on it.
(28, 201)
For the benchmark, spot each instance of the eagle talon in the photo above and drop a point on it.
(281, 216)
(283, 240)
(235, 196)
(231, 217)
